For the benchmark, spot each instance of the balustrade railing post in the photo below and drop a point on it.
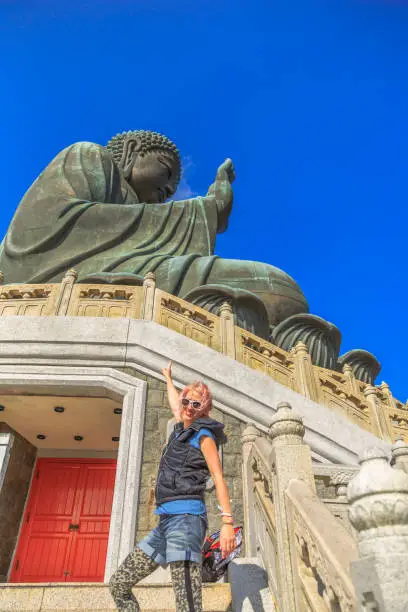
(248, 437)
(291, 460)
(149, 290)
(227, 330)
(306, 383)
(380, 420)
(399, 455)
(351, 379)
(378, 498)
(65, 292)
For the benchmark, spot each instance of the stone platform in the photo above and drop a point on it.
(95, 597)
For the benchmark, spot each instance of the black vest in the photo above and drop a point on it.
(183, 471)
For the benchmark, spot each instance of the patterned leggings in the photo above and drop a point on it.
(185, 576)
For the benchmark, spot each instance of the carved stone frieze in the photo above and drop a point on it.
(25, 293)
(190, 313)
(94, 293)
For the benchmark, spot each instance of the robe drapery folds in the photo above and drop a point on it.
(81, 213)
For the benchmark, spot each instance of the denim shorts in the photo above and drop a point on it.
(177, 537)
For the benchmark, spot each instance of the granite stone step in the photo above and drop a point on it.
(95, 597)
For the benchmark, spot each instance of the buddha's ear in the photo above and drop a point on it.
(131, 148)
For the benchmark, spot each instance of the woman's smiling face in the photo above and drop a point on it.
(189, 413)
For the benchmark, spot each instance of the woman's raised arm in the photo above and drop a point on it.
(172, 393)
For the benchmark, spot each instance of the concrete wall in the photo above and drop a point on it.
(13, 494)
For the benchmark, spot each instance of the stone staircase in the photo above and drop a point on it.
(88, 597)
(246, 591)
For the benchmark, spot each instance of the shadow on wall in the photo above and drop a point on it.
(249, 587)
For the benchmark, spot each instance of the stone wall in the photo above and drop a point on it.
(13, 494)
(158, 414)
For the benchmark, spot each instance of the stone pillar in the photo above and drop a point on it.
(149, 289)
(378, 498)
(64, 297)
(378, 417)
(248, 437)
(306, 383)
(227, 330)
(351, 379)
(291, 459)
(399, 457)
(386, 391)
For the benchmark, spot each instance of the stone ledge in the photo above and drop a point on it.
(27, 344)
(88, 597)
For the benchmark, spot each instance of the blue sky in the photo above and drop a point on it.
(309, 98)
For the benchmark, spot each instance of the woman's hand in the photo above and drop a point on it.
(227, 540)
(167, 371)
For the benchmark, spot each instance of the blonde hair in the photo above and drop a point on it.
(206, 397)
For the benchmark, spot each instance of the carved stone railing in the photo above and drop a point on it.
(372, 408)
(305, 549)
(324, 552)
(260, 530)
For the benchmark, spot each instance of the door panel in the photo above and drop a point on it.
(66, 527)
(88, 558)
(93, 517)
(45, 559)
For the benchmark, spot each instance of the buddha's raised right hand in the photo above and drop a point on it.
(226, 172)
(221, 192)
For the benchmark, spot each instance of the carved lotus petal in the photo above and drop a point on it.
(379, 511)
(359, 517)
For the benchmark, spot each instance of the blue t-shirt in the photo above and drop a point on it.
(186, 506)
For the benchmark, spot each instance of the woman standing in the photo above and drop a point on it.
(189, 458)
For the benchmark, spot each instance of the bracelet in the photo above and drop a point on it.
(224, 513)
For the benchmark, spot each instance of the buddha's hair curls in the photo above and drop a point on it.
(206, 397)
(149, 141)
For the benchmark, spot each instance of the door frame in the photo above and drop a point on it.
(34, 484)
(93, 382)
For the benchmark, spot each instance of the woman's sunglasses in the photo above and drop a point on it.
(185, 402)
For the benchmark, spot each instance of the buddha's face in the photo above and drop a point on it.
(152, 176)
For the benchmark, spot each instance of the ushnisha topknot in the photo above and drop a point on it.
(206, 397)
(150, 141)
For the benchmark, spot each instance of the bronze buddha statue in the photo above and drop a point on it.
(106, 211)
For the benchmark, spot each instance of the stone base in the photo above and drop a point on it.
(89, 597)
(249, 586)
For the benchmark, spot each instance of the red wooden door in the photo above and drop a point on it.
(65, 531)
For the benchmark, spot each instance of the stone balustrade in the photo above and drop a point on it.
(378, 498)
(372, 408)
(324, 552)
(304, 548)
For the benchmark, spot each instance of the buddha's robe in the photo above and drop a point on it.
(82, 213)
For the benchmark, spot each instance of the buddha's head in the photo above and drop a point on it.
(150, 163)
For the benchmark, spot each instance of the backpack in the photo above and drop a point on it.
(213, 565)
